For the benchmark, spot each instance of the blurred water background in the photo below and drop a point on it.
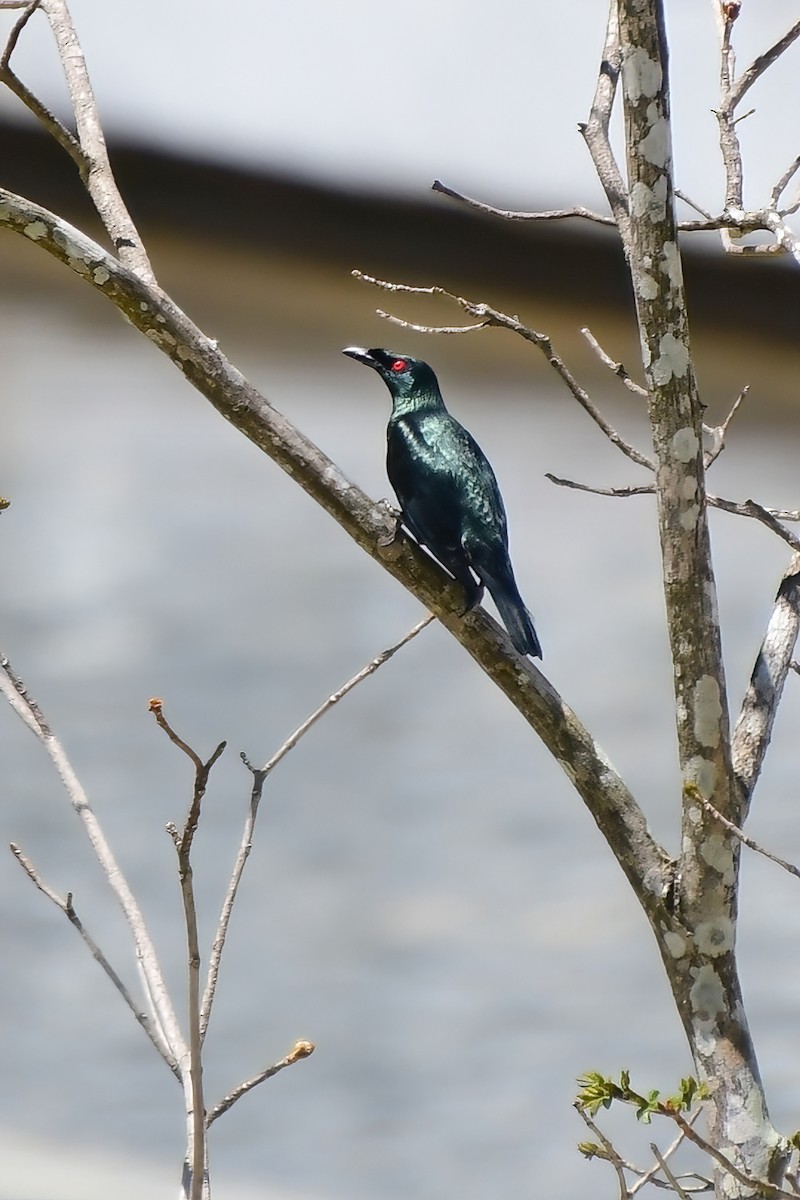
(427, 900)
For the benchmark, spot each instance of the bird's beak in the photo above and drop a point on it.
(360, 355)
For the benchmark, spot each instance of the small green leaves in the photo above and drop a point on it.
(592, 1150)
(599, 1091)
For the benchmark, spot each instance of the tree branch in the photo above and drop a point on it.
(67, 907)
(489, 317)
(753, 730)
(748, 841)
(553, 214)
(202, 363)
(619, 369)
(259, 779)
(14, 691)
(595, 131)
(88, 150)
(299, 1051)
(195, 1170)
(699, 950)
(767, 516)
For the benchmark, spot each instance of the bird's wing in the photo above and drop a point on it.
(446, 487)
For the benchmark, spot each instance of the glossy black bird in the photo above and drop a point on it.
(447, 490)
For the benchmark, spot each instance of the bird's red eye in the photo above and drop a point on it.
(399, 364)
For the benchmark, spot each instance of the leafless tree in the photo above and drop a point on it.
(691, 901)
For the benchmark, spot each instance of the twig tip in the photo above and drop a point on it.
(300, 1050)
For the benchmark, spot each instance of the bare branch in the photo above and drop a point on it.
(161, 1006)
(195, 1166)
(595, 131)
(671, 1179)
(202, 363)
(679, 195)
(784, 238)
(155, 706)
(50, 121)
(446, 329)
(767, 516)
(718, 432)
(30, 8)
(259, 778)
(299, 1051)
(749, 508)
(96, 169)
(553, 214)
(489, 317)
(753, 729)
(611, 1153)
(341, 692)
(731, 93)
(758, 1186)
(760, 64)
(745, 840)
(618, 368)
(646, 489)
(650, 1176)
(66, 906)
(782, 184)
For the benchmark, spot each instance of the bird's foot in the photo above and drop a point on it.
(394, 520)
(473, 594)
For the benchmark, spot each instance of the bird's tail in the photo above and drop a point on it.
(515, 616)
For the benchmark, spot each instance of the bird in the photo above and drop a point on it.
(447, 491)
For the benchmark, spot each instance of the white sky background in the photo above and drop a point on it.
(486, 97)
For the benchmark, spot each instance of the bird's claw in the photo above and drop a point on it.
(395, 516)
(472, 598)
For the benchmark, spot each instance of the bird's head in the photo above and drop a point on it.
(404, 376)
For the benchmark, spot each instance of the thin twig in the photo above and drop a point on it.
(758, 1186)
(645, 489)
(489, 316)
(299, 1051)
(196, 1154)
(782, 184)
(67, 907)
(751, 508)
(365, 672)
(19, 25)
(650, 1175)
(760, 64)
(162, 1011)
(679, 195)
(416, 328)
(718, 432)
(744, 839)
(671, 1179)
(56, 128)
(552, 214)
(611, 1152)
(259, 778)
(595, 131)
(155, 706)
(617, 368)
(748, 508)
(98, 176)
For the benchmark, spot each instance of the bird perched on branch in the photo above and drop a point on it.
(447, 490)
